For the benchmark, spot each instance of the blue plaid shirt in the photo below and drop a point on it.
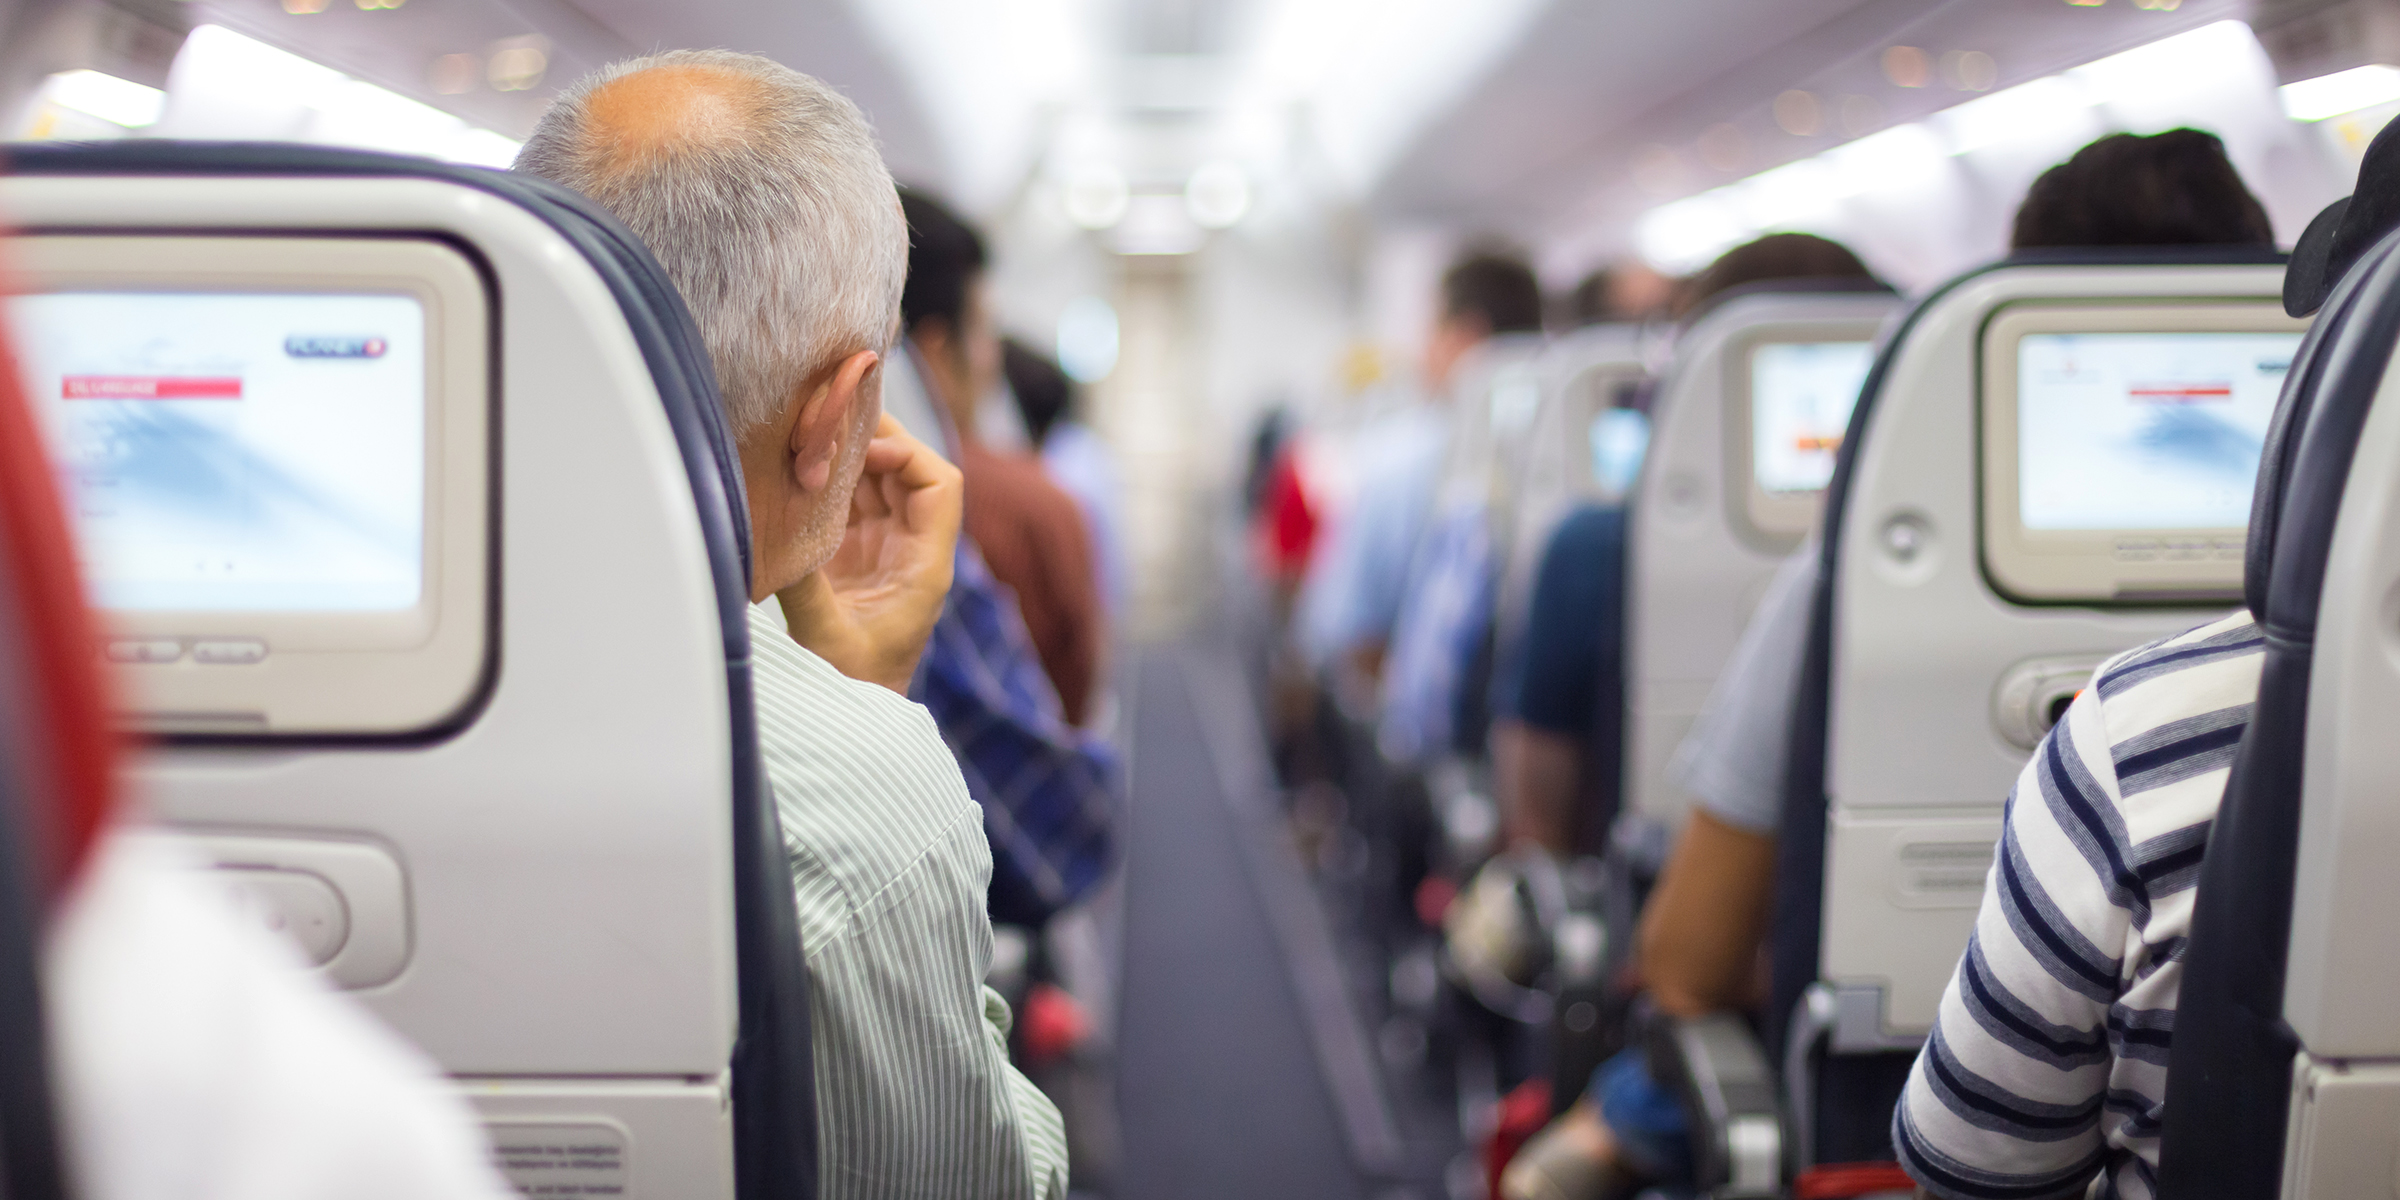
(1047, 788)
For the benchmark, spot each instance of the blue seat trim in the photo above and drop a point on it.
(2229, 1076)
(774, 1084)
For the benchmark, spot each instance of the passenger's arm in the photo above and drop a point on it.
(1537, 774)
(1707, 919)
(916, 1096)
(2022, 1039)
(870, 609)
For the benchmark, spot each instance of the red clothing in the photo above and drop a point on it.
(1287, 528)
(1033, 537)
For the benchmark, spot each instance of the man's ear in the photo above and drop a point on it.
(826, 416)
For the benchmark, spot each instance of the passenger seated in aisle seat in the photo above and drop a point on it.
(2048, 1061)
(1047, 787)
(1351, 601)
(1626, 293)
(1077, 459)
(1704, 926)
(1029, 531)
(761, 191)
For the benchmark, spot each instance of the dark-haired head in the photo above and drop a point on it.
(1483, 293)
(1775, 256)
(2169, 189)
(1496, 291)
(945, 254)
(943, 310)
(1043, 391)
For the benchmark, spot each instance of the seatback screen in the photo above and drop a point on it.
(2144, 431)
(237, 452)
(1801, 394)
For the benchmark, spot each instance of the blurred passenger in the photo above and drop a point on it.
(1030, 532)
(2170, 189)
(1076, 456)
(1558, 730)
(1046, 787)
(1351, 601)
(761, 192)
(1706, 921)
(1625, 293)
(2092, 956)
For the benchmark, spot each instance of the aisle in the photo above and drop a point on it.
(1221, 1075)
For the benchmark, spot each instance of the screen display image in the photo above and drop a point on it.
(1801, 394)
(2144, 431)
(236, 452)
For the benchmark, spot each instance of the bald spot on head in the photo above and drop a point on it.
(664, 112)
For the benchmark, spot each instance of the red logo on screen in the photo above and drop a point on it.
(151, 387)
(2179, 393)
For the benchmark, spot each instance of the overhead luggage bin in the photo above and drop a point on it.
(460, 690)
(1744, 433)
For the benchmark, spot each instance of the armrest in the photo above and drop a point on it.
(1718, 1067)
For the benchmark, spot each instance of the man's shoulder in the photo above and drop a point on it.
(864, 784)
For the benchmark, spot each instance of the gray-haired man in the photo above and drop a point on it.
(762, 192)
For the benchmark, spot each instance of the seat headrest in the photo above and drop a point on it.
(2316, 434)
(1840, 285)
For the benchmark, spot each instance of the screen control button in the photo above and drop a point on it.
(235, 651)
(300, 905)
(145, 650)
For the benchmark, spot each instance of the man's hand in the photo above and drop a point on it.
(870, 610)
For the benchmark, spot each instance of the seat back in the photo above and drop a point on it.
(1440, 651)
(2285, 1073)
(1704, 537)
(568, 885)
(1582, 446)
(1936, 660)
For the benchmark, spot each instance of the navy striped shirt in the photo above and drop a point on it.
(2046, 1074)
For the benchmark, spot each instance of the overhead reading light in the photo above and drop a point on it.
(2341, 92)
(107, 97)
(1097, 197)
(1217, 195)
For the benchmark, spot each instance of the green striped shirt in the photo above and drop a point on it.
(915, 1094)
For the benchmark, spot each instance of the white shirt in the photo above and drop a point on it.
(197, 1058)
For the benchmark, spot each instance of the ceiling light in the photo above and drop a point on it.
(454, 74)
(1724, 147)
(2036, 109)
(303, 8)
(2175, 66)
(1687, 235)
(1217, 195)
(2341, 92)
(517, 64)
(1797, 112)
(1907, 66)
(1156, 223)
(107, 97)
(1970, 70)
(1097, 197)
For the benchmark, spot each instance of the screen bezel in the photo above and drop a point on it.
(1773, 521)
(327, 673)
(2198, 565)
